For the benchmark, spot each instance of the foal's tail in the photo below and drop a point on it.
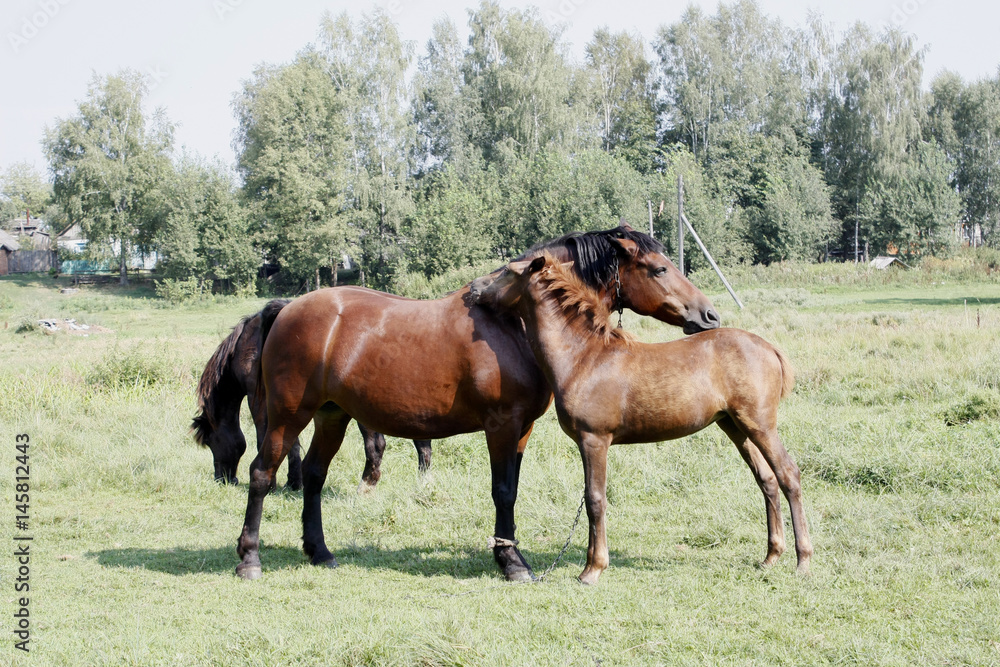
(217, 385)
(787, 373)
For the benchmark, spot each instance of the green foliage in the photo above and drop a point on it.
(110, 161)
(178, 291)
(22, 189)
(207, 233)
(293, 149)
(367, 63)
(27, 325)
(965, 121)
(130, 368)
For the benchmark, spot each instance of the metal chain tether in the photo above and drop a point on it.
(562, 552)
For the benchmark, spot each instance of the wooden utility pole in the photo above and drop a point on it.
(680, 224)
(649, 203)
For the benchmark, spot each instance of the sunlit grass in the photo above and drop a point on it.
(894, 422)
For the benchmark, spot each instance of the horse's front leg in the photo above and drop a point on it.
(506, 443)
(594, 450)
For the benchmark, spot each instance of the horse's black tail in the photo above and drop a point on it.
(218, 385)
(267, 315)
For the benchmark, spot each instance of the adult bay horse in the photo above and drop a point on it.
(456, 368)
(610, 389)
(230, 376)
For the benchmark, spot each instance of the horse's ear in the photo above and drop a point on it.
(624, 225)
(536, 264)
(625, 247)
(519, 267)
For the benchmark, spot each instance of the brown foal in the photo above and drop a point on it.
(610, 389)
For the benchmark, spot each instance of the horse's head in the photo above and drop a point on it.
(504, 288)
(627, 268)
(651, 285)
(227, 445)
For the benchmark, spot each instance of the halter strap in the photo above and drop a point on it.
(618, 305)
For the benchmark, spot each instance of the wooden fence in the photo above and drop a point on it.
(30, 261)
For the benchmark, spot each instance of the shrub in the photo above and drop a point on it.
(178, 291)
(132, 368)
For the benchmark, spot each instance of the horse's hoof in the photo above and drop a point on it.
(589, 577)
(330, 562)
(364, 488)
(519, 575)
(802, 570)
(293, 486)
(248, 572)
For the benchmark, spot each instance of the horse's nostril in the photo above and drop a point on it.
(711, 316)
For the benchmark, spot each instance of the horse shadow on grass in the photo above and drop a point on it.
(457, 562)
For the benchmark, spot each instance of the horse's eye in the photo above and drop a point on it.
(661, 271)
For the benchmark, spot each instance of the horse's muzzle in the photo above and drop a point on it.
(703, 320)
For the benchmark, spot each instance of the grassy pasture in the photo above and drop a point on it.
(895, 423)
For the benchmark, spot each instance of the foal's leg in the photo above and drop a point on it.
(331, 423)
(281, 433)
(506, 444)
(374, 449)
(594, 450)
(423, 455)
(768, 484)
(788, 478)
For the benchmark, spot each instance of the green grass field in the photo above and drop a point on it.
(895, 423)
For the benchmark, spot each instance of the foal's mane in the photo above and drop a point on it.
(579, 302)
(593, 254)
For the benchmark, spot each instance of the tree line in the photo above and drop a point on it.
(793, 144)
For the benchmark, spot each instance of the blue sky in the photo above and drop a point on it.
(197, 52)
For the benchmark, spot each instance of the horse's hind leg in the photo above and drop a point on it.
(787, 472)
(374, 449)
(331, 423)
(275, 445)
(258, 410)
(768, 484)
(295, 467)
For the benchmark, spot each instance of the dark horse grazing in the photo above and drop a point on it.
(610, 389)
(456, 368)
(230, 375)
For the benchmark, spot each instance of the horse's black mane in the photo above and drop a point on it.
(593, 254)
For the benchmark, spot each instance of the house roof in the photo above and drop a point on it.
(881, 262)
(9, 242)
